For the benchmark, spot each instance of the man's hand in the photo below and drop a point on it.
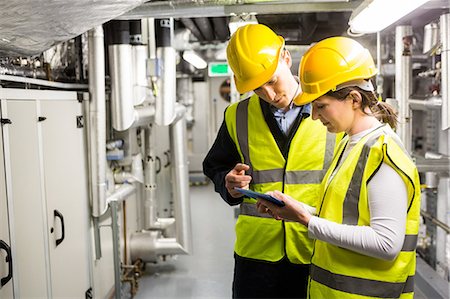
(237, 178)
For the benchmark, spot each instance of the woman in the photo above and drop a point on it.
(367, 220)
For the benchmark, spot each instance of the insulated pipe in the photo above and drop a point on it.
(150, 178)
(432, 103)
(121, 72)
(403, 79)
(22, 71)
(122, 192)
(143, 116)
(379, 77)
(166, 99)
(139, 57)
(97, 122)
(180, 177)
(445, 72)
(148, 245)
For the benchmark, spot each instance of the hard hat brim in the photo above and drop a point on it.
(305, 98)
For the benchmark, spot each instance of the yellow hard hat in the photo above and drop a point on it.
(331, 62)
(253, 53)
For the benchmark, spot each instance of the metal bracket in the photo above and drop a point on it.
(80, 121)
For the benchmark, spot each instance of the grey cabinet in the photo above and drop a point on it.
(47, 179)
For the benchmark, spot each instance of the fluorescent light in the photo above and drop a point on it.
(375, 15)
(241, 20)
(194, 59)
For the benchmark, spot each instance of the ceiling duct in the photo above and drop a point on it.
(189, 24)
(31, 27)
(204, 25)
(221, 28)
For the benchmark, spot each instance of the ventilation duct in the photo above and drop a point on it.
(31, 27)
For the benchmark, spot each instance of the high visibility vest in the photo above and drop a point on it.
(341, 273)
(259, 236)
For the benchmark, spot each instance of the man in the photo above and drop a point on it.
(268, 143)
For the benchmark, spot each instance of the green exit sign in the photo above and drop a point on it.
(218, 69)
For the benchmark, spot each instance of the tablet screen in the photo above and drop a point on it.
(257, 195)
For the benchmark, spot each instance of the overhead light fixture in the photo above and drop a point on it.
(195, 59)
(241, 20)
(375, 15)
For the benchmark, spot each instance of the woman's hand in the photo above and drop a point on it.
(293, 209)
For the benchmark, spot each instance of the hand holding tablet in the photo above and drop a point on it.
(257, 195)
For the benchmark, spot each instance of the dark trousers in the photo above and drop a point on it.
(259, 279)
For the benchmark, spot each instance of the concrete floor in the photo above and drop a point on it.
(208, 271)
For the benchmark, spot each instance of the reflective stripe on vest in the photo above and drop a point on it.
(361, 286)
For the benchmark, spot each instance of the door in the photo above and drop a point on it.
(66, 192)
(28, 212)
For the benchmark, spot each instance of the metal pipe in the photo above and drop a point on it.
(22, 71)
(150, 178)
(139, 53)
(41, 82)
(97, 122)
(122, 193)
(147, 245)
(379, 77)
(121, 72)
(116, 246)
(180, 177)
(445, 72)
(434, 102)
(143, 116)
(165, 101)
(435, 221)
(403, 79)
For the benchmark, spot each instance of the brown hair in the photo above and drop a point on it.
(381, 110)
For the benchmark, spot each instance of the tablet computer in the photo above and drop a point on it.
(257, 195)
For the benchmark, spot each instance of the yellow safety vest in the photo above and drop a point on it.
(258, 236)
(341, 273)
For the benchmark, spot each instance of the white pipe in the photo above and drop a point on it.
(403, 86)
(166, 99)
(150, 178)
(140, 85)
(122, 192)
(97, 122)
(121, 72)
(147, 245)
(53, 84)
(143, 116)
(445, 72)
(180, 177)
(434, 102)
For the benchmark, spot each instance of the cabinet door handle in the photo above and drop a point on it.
(8, 259)
(56, 213)
(167, 154)
(158, 163)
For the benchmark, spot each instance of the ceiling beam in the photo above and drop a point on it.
(164, 9)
